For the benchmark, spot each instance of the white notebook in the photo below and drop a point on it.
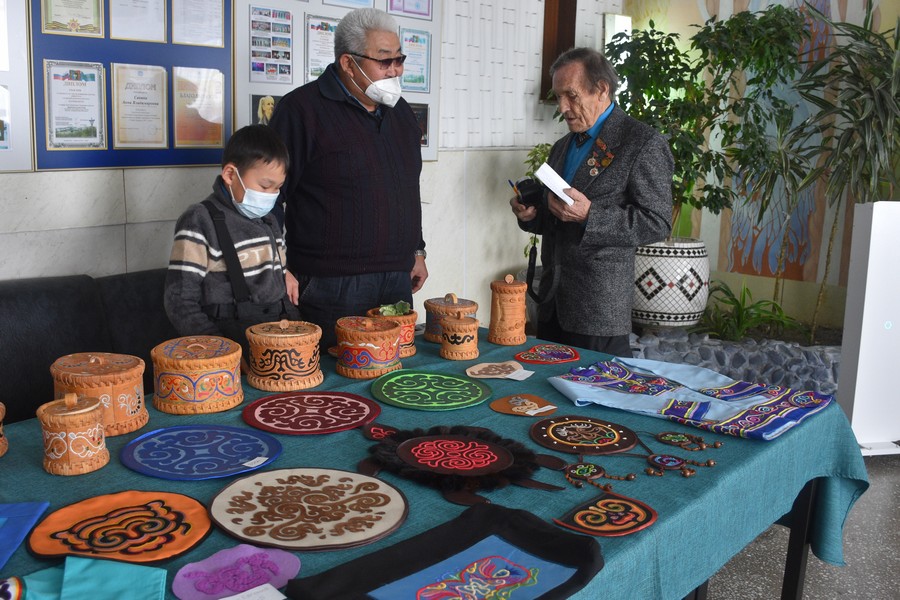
(552, 180)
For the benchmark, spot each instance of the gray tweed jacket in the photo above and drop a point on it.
(631, 205)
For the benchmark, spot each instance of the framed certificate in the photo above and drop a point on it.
(72, 17)
(139, 106)
(74, 105)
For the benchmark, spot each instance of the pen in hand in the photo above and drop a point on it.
(515, 189)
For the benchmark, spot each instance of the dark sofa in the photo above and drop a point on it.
(44, 318)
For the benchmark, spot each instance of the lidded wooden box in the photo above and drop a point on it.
(284, 356)
(507, 326)
(407, 324)
(74, 441)
(197, 374)
(437, 308)
(117, 380)
(367, 347)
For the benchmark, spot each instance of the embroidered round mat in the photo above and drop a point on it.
(131, 526)
(192, 452)
(454, 455)
(309, 509)
(543, 354)
(422, 390)
(299, 413)
(583, 435)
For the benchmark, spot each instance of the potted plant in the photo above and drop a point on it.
(708, 101)
(403, 314)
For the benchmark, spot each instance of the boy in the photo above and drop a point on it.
(226, 271)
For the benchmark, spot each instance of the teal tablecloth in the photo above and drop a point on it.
(703, 520)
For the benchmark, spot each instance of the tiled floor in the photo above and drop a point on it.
(871, 550)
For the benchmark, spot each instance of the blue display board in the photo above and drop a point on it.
(61, 49)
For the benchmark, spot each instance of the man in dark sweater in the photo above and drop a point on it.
(353, 219)
(203, 296)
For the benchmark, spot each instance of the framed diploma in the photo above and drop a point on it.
(72, 17)
(139, 106)
(417, 9)
(198, 103)
(137, 20)
(416, 46)
(74, 105)
(319, 45)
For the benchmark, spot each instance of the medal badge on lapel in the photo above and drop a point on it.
(600, 157)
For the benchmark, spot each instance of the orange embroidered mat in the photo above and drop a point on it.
(131, 526)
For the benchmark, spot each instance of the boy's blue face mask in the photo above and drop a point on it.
(256, 204)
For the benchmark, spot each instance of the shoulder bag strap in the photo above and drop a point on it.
(232, 264)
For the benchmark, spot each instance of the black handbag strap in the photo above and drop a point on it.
(548, 288)
(232, 263)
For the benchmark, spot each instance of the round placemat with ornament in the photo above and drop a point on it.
(305, 413)
(309, 509)
(196, 452)
(583, 435)
(422, 390)
(132, 526)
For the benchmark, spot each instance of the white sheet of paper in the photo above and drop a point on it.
(265, 591)
(520, 375)
(552, 180)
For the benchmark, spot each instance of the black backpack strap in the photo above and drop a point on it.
(232, 263)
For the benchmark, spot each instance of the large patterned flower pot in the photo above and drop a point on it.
(671, 283)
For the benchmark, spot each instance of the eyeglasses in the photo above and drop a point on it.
(385, 63)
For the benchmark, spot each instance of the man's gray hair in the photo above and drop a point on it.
(350, 35)
(597, 68)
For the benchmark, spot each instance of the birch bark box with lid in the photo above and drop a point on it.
(459, 337)
(367, 347)
(115, 379)
(507, 326)
(74, 441)
(284, 356)
(197, 374)
(437, 308)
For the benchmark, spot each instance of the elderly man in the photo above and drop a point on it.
(353, 219)
(620, 171)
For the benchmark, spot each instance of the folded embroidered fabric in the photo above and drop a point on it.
(16, 520)
(691, 395)
(111, 580)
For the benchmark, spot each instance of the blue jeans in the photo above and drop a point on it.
(324, 300)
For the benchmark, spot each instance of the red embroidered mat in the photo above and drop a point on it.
(544, 354)
(309, 509)
(299, 413)
(131, 526)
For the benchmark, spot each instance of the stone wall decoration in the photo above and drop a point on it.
(422, 390)
(309, 509)
(195, 452)
(132, 526)
(303, 413)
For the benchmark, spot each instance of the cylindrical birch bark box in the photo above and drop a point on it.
(507, 326)
(284, 356)
(117, 380)
(74, 439)
(459, 338)
(367, 347)
(438, 308)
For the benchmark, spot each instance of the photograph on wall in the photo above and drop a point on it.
(4, 117)
(72, 17)
(271, 41)
(198, 104)
(198, 23)
(421, 112)
(75, 107)
(261, 108)
(416, 46)
(418, 9)
(137, 20)
(139, 106)
(350, 3)
(319, 45)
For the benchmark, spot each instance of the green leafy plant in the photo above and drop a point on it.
(395, 310)
(856, 89)
(710, 99)
(732, 317)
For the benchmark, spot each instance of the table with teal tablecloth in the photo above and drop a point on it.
(703, 520)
